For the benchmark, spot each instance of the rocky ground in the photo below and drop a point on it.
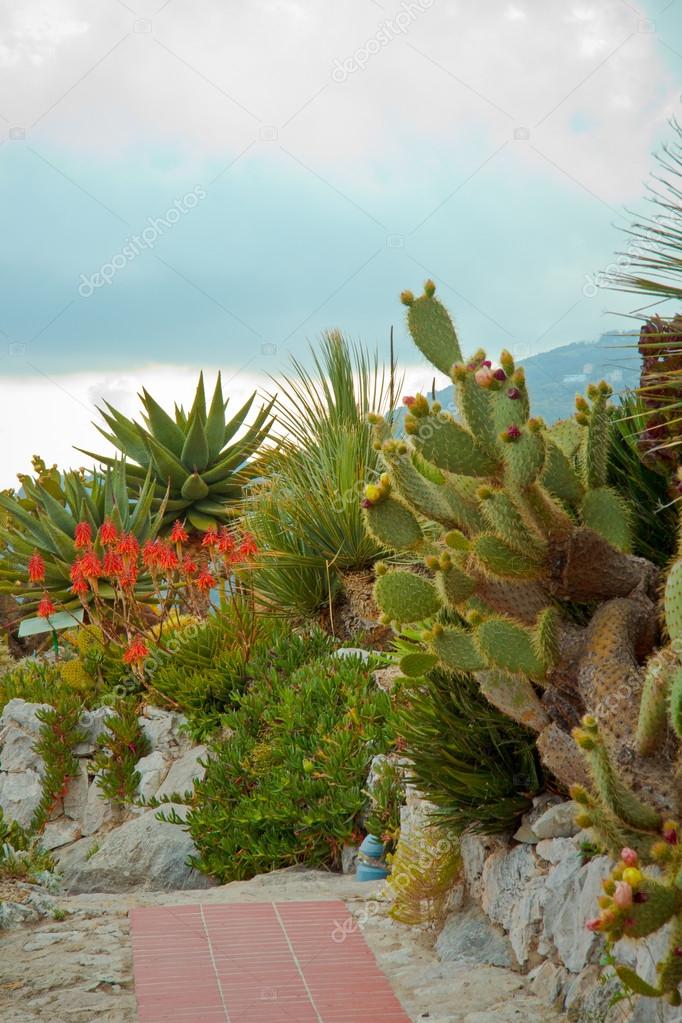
(75, 965)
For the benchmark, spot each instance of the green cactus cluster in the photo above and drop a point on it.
(523, 571)
(636, 902)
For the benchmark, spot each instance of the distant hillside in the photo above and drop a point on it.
(555, 377)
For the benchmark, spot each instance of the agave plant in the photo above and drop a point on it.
(195, 469)
(43, 520)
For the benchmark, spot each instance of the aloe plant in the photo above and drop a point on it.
(196, 465)
(42, 522)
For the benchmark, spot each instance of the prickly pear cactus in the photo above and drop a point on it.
(528, 580)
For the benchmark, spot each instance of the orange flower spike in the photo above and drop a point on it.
(136, 651)
(108, 533)
(36, 568)
(83, 537)
(46, 607)
(127, 546)
(210, 538)
(178, 533)
(205, 581)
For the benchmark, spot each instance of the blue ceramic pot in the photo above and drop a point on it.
(371, 865)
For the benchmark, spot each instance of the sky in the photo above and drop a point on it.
(211, 185)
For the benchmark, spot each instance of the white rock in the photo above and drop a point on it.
(19, 732)
(163, 730)
(183, 773)
(98, 810)
(20, 795)
(59, 833)
(557, 822)
(572, 893)
(76, 796)
(152, 769)
(526, 918)
(504, 878)
(554, 850)
(143, 853)
(474, 849)
(352, 651)
(469, 937)
(547, 981)
(92, 723)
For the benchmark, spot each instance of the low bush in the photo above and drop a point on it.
(286, 787)
(477, 766)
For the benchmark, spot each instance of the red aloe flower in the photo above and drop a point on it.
(36, 568)
(46, 607)
(80, 586)
(189, 567)
(178, 533)
(127, 545)
(210, 538)
(129, 579)
(113, 564)
(136, 651)
(168, 559)
(152, 553)
(225, 542)
(205, 581)
(108, 533)
(248, 547)
(90, 566)
(83, 536)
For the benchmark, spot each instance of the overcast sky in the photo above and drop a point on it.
(212, 183)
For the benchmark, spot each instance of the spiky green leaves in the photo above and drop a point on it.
(406, 597)
(431, 328)
(190, 455)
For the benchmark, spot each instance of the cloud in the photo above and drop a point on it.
(430, 78)
(52, 417)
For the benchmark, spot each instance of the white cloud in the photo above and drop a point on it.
(51, 417)
(209, 78)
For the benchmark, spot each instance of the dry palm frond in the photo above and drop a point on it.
(425, 866)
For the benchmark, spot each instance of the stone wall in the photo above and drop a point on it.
(100, 847)
(522, 904)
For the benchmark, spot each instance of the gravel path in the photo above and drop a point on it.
(79, 969)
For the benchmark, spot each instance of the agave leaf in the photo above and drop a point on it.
(127, 434)
(237, 420)
(201, 521)
(198, 409)
(167, 465)
(215, 423)
(63, 544)
(131, 470)
(162, 427)
(56, 511)
(195, 451)
(28, 521)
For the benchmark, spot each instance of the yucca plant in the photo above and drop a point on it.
(479, 768)
(306, 514)
(42, 521)
(651, 264)
(197, 467)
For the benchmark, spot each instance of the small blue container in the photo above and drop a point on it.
(371, 865)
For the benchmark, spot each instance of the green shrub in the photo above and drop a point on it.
(120, 748)
(386, 798)
(204, 666)
(469, 759)
(32, 680)
(286, 787)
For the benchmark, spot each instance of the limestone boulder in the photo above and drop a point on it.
(144, 853)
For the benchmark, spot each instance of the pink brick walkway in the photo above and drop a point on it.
(286, 962)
